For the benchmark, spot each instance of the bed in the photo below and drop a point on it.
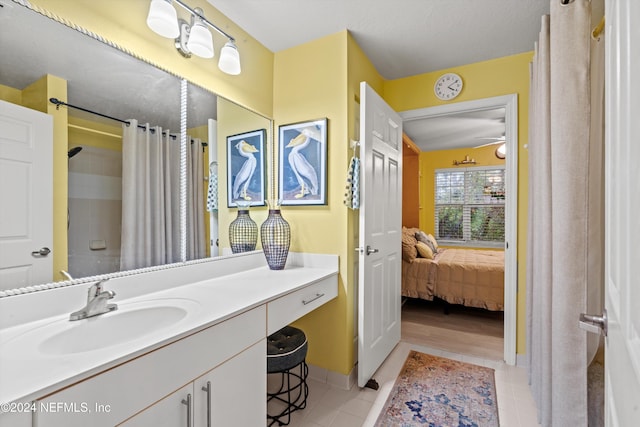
(470, 277)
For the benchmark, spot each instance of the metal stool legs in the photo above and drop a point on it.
(293, 392)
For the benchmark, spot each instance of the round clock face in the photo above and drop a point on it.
(448, 86)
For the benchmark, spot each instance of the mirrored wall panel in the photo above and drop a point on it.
(117, 150)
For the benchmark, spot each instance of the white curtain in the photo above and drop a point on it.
(151, 198)
(565, 253)
(196, 243)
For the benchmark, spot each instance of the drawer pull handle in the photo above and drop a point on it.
(188, 403)
(207, 389)
(309, 301)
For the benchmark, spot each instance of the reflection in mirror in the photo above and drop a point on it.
(235, 120)
(109, 86)
(57, 61)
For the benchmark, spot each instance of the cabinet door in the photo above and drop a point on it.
(15, 419)
(237, 391)
(175, 410)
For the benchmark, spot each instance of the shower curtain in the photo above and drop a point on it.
(565, 229)
(151, 198)
(196, 244)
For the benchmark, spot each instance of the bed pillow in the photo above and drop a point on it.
(421, 236)
(435, 243)
(409, 251)
(424, 250)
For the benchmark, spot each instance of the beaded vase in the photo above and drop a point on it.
(275, 235)
(243, 231)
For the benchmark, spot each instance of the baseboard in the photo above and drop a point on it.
(335, 379)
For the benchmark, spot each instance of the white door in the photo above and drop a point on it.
(622, 226)
(380, 232)
(26, 191)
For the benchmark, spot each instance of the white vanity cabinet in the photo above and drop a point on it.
(237, 391)
(152, 386)
(232, 394)
(220, 346)
(171, 411)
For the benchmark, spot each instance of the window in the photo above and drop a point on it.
(470, 205)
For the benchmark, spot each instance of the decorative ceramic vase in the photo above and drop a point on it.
(275, 235)
(243, 231)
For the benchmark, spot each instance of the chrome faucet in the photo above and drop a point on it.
(96, 302)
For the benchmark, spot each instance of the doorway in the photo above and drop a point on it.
(510, 128)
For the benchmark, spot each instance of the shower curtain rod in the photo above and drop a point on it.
(58, 103)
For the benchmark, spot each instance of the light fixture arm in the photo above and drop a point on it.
(204, 19)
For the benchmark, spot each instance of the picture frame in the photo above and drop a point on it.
(302, 165)
(246, 168)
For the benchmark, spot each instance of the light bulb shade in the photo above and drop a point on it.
(200, 41)
(229, 59)
(163, 19)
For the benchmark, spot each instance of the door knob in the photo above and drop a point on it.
(594, 324)
(370, 250)
(41, 252)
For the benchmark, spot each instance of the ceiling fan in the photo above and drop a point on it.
(501, 150)
(492, 141)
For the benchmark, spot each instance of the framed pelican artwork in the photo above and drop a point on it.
(246, 166)
(303, 163)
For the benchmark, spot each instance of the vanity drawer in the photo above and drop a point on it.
(286, 309)
(115, 395)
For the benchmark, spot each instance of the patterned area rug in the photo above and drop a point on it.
(437, 392)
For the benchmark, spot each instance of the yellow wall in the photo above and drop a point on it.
(485, 79)
(432, 160)
(10, 94)
(322, 79)
(310, 82)
(94, 134)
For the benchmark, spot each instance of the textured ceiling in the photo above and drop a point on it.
(404, 38)
(401, 37)
(100, 78)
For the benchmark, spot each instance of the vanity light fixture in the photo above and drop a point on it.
(194, 37)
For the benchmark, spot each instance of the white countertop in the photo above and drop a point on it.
(27, 374)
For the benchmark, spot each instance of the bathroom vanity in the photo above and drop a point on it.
(191, 354)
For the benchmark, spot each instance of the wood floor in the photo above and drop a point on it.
(464, 330)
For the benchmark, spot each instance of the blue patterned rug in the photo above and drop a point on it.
(437, 392)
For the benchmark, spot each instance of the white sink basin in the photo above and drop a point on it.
(130, 322)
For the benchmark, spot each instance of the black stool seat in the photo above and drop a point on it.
(286, 351)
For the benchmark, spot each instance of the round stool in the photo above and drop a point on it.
(286, 352)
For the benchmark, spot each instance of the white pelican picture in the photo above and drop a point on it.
(305, 173)
(243, 177)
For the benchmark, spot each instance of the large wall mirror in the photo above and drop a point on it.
(89, 227)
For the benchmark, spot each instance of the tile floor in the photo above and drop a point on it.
(328, 406)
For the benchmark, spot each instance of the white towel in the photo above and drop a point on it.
(212, 191)
(352, 193)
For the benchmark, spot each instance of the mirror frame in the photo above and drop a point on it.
(183, 156)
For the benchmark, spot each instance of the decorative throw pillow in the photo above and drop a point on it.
(435, 243)
(421, 236)
(409, 251)
(424, 250)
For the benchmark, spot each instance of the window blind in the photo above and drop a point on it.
(470, 204)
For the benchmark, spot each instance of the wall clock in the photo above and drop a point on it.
(448, 86)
